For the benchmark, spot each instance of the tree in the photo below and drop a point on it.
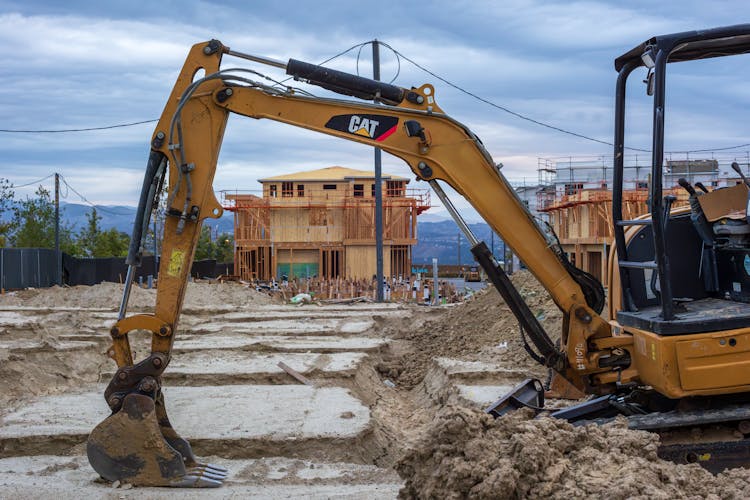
(112, 243)
(221, 249)
(34, 225)
(205, 249)
(6, 202)
(88, 236)
(97, 243)
(225, 248)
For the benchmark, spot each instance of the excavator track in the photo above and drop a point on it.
(716, 439)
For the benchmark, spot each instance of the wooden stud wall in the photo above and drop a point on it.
(329, 226)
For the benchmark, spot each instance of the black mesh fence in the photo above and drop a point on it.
(35, 268)
(27, 268)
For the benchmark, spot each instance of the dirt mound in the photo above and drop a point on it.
(481, 329)
(465, 453)
(109, 295)
(43, 368)
(46, 371)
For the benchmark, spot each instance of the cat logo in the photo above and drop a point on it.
(377, 127)
(363, 126)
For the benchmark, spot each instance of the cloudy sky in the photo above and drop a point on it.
(79, 64)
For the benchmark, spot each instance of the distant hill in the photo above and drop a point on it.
(438, 237)
(441, 240)
(120, 217)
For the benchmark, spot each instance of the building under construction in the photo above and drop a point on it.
(573, 195)
(321, 223)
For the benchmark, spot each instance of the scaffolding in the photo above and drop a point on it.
(561, 176)
(574, 194)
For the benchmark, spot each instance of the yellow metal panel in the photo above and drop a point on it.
(721, 360)
(693, 365)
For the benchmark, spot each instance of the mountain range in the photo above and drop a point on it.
(438, 237)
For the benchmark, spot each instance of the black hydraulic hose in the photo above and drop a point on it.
(551, 356)
(151, 180)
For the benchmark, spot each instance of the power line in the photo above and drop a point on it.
(541, 123)
(503, 108)
(87, 129)
(97, 207)
(400, 55)
(68, 186)
(32, 183)
(130, 124)
(358, 45)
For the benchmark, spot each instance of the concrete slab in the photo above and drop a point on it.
(483, 395)
(281, 326)
(215, 412)
(252, 324)
(282, 343)
(47, 309)
(241, 363)
(69, 478)
(15, 319)
(305, 313)
(462, 367)
(21, 346)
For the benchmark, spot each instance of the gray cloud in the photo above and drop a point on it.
(80, 64)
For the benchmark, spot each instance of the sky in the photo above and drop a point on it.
(80, 64)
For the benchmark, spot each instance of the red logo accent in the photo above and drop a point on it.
(386, 134)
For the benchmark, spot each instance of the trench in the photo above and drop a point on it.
(358, 411)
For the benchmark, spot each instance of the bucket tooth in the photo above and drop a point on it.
(129, 446)
(181, 444)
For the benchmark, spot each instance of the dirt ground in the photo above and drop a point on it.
(34, 356)
(465, 453)
(480, 329)
(412, 378)
(108, 295)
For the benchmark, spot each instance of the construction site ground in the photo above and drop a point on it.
(394, 405)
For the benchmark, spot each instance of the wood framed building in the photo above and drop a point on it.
(321, 223)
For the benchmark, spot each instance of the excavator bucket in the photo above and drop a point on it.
(133, 447)
(527, 394)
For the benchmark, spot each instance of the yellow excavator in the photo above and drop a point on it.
(674, 355)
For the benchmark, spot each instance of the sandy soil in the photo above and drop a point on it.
(481, 329)
(465, 453)
(53, 365)
(461, 452)
(440, 451)
(109, 295)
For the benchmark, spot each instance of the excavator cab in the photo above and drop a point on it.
(683, 272)
(679, 289)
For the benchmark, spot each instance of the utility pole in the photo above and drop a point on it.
(378, 189)
(458, 249)
(58, 257)
(505, 267)
(492, 242)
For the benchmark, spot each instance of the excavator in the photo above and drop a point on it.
(673, 355)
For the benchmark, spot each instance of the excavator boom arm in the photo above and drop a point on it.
(411, 127)
(184, 153)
